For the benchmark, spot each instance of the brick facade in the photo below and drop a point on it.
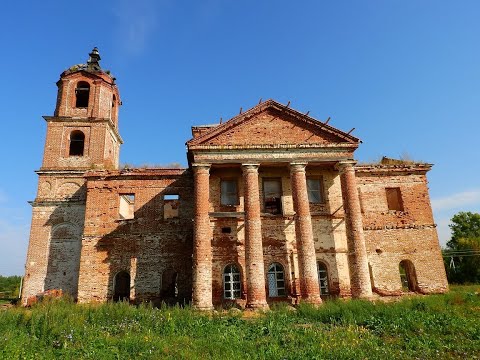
(271, 208)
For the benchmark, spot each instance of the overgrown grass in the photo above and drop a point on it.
(427, 327)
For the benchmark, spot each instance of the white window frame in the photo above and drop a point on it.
(276, 276)
(323, 278)
(232, 280)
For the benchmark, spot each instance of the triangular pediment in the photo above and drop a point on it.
(271, 123)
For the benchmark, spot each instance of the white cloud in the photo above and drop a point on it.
(136, 22)
(456, 201)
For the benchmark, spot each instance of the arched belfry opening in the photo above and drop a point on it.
(82, 94)
(408, 276)
(121, 286)
(77, 143)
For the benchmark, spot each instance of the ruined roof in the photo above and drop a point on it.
(215, 130)
(91, 66)
(405, 167)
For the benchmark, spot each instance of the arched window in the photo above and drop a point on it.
(276, 280)
(77, 143)
(82, 93)
(121, 286)
(322, 278)
(408, 277)
(231, 282)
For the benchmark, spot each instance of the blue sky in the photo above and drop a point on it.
(405, 74)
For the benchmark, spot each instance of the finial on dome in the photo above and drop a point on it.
(93, 60)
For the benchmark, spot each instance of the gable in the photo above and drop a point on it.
(271, 123)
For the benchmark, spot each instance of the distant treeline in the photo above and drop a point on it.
(9, 286)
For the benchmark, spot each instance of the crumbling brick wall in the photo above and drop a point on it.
(146, 246)
(53, 255)
(396, 235)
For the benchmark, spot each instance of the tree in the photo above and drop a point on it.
(464, 248)
(9, 286)
(465, 225)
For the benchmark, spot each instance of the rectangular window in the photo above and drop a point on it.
(229, 194)
(394, 199)
(126, 209)
(315, 191)
(171, 204)
(272, 196)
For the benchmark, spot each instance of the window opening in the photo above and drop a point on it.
(226, 230)
(370, 271)
(272, 196)
(127, 206)
(77, 143)
(394, 199)
(231, 282)
(82, 93)
(407, 275)
(315, 191)
(276, 280)
(229, 193)
(322, 278)
(169, 284)
(121, 286)
(171, 206)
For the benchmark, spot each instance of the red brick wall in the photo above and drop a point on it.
(393, 236)
(145, 246)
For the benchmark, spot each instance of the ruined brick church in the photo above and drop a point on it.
(272, 207)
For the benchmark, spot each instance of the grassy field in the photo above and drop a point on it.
(422, 327)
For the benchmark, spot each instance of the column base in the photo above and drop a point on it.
(314, 300)
(365, 295)
(257, 306)
(203, 307)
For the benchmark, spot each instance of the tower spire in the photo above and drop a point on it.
(94, 59)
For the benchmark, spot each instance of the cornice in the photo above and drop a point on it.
(70, 119)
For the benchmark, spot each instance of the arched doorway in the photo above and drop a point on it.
(121, 287)
(408, 277)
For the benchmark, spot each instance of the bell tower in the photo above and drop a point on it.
(81, 135)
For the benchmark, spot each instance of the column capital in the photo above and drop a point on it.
(250, 167)
(298, 166)
(345, 165)
(200, 167)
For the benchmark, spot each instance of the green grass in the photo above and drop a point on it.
(426, 327)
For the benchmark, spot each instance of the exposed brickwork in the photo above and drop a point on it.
(202, 243)
(253, 239)
(361, 286)
(146, 246)
(392, 236)
(258, 243)
(303, 225)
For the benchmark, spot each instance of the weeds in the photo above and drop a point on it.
(439, 326)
